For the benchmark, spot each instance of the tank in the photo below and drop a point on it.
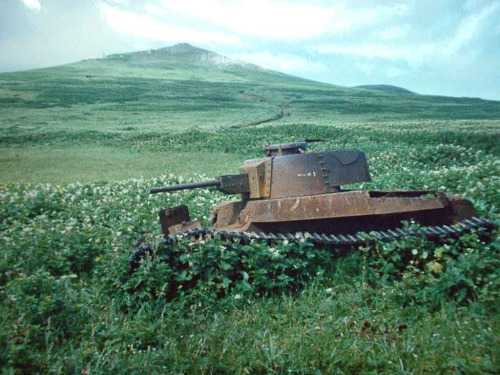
(290, 190)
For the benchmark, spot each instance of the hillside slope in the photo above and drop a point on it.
(144, 113)
(183, 86)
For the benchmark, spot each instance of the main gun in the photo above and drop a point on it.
(229, 184)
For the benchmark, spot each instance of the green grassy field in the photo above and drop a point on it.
(81, 144)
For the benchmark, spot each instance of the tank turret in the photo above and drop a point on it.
(288, 171)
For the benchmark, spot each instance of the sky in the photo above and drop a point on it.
(445, 47)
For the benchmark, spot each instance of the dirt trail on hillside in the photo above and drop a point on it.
(278, 116)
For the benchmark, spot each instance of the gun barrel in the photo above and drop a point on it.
(193, 185)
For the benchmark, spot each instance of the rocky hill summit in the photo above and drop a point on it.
(178, 53)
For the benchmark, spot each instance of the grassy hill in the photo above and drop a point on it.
(184, 86)
(81, 144)
(88, 110)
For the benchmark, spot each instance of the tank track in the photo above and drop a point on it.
(435, 233)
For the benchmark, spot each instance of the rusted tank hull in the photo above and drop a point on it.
(344, 212)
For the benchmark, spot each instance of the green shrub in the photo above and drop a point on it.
(44, 312)
(427, 274)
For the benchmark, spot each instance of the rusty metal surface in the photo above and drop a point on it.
(183, 227)
(285, 148)
(333, 205)
(227, 213)
(334, 213)
(229, 184)
(173, 216)
(317, 173)
(461, 208)
(259, 172)
(194, 185)
(298, 147)
(234, 184)
(348, 210)
(176, 219)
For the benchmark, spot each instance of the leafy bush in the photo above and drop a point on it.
(424, 272)
(428, 274)
(217, 268)
(44, 312)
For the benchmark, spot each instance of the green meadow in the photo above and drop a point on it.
(81, 144)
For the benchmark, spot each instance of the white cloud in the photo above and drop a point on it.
(394, 32)
(147, 27)
(32, 4)
(471, 5)
(376, 50)
(278, 19)
(366, 67)
(394, 72)
(470, 26)
(416, 53)
(283, 62)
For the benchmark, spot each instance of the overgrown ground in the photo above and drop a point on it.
(410, 307)
(74, 175)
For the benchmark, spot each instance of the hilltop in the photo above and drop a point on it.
(179, 53)
(184, 62)
(387, 89)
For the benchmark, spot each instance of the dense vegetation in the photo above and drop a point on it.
(70, 214)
